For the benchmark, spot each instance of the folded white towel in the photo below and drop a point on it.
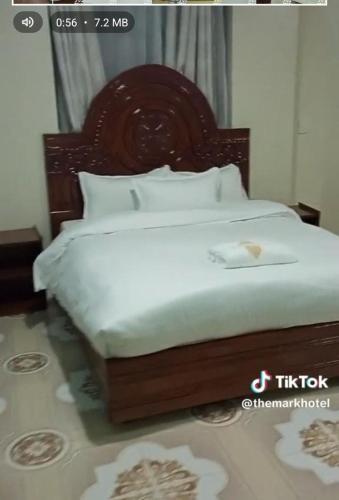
(251, 253)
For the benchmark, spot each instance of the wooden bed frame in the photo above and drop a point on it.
(147, 117)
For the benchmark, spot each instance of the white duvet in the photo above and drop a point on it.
(140, 282)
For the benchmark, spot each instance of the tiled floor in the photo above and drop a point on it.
(56, 443)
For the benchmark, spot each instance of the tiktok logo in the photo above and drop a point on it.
(260, 384)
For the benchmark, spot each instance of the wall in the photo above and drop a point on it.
(285, 88)
(28, 110)
(264, 64)
(317, 165)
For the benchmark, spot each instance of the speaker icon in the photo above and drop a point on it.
(28, 22)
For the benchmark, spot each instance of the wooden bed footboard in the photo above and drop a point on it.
(203, 373)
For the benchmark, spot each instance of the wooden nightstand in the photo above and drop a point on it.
(308, 214)
(18, 249)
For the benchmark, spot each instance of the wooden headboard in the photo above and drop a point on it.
(146, 117)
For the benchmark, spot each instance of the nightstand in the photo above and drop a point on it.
(18, 250)
(308, 214)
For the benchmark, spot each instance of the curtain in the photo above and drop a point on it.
(191, 40)
(79, 73)
(195, 45)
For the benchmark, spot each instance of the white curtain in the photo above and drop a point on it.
(195, 45)
(80, 75)
(191, 40)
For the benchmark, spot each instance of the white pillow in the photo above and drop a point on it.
(178, 192)
(231, 188)
(105, 194)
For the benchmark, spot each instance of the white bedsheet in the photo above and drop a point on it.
(70, 224)
(137, 283)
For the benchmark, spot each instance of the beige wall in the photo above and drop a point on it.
(317, 160)
(264, 61)
(27, 104)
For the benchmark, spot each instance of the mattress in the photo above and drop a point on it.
(70, 224)
(136, 283)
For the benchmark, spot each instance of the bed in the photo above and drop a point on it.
(182, 346)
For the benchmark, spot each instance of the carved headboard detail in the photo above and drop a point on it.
(146, 117)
